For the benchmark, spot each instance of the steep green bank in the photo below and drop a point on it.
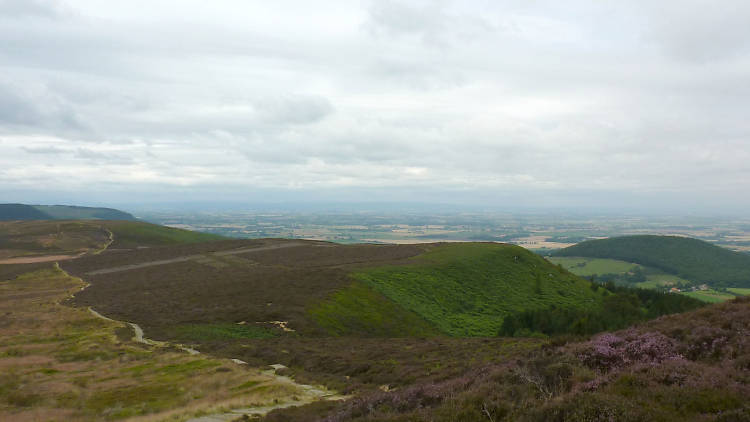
(137, 233)
(466, 289)
(691, 259)
(361, 312)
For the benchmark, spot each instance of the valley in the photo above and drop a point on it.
(341, 330)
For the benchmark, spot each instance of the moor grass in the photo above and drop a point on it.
(63, 363)
(690, 367)
(466, 289)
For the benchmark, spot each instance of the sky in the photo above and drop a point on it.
(540, 104)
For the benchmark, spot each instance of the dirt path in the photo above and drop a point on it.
(309, 394)
(191, 257)
(36, 259)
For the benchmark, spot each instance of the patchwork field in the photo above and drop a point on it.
(691, 259)
(593, 266)
(710, 296)
(597, 267)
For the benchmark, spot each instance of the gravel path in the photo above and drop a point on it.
(192, 257)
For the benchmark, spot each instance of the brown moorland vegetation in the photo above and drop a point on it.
(63, 363)
(693, 366)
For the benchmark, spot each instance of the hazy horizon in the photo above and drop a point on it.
(512, 106)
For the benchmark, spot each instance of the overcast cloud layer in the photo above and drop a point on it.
(478, 99)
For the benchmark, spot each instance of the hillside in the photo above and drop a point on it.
(466, 289)
(70, 212)
(689, 367)
(463, 289)
(21, 212)
(359, 319)
(352, 316)
(691, 259)
(60, 239)
(59, 212)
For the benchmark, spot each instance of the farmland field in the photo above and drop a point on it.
(739, 291)
(592, 266)
(587, 267)
(710, 296)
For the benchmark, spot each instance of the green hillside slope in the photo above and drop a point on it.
(59, 212)
(692, 259)
(53, 237)
(466, 289)
(129, 234)
(21, 212)
(70, 212)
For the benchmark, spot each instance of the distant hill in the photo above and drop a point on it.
(66, 237)
(70, 212)
(21, 212)
(59, 212)
(692, 259)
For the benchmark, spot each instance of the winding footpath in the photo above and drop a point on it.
(191, 257)
(308, 393)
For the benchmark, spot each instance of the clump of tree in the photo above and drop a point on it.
(622, 307)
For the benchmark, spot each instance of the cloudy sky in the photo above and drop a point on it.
(545, 103)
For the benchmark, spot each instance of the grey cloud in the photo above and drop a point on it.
(45, 150)
(430, 94)
(34, 107)
(430, 21)
(102, 157)
(296, 109)
(699, 30)
(33, 8)
(417, 75)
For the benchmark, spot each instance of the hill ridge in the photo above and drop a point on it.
(18, 211)
(689, 258)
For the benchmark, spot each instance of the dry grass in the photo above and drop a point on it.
(62, 363)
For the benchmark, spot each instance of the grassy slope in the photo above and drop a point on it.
(688, 258)
(710, 296)
(19, 238)
(68, 212)
(137, 233)
(466, 289)
(359, 311)
(62, 363)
